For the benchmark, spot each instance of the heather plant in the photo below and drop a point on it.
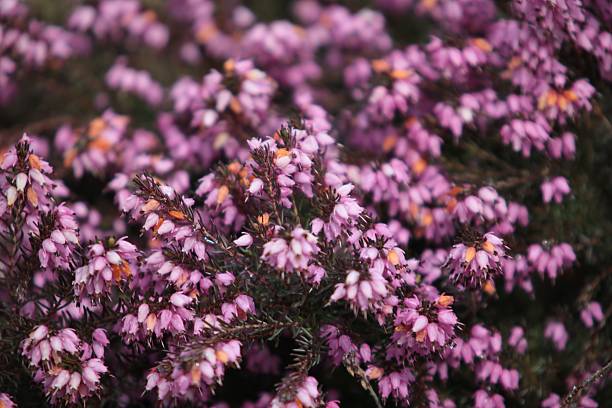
(305, 204)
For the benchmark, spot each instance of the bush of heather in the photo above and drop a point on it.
(309, 203)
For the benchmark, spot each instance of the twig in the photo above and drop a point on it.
(355, 371)
(578, 390)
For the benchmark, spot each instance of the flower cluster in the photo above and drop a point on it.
(476, 264)
(68, 368)
(425, 326)
(94, 149)
(171, 380)
(126, 79)
(28, 43)
(108, 264)
(119, 20)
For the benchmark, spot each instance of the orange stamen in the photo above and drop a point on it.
(263, 219)
(427, 219)
(482, 44)
(489, 247)
(400, 74)
(196, 374)
(374, 372)
(470, 253)
(229, 65)
(389, 143)
(151, 321)
(380, 65)
(179, 215)
(419, 166)
(234, 167)
(96, 127)
(222, 194)
(222, 356)
(393, 257)
(205, 33)
(235, 106)
(489, 287)
(32, 197)
(69, 157)
(34, 161)
(100, 143)
(445, 300)
(150, 205)
(420, 336)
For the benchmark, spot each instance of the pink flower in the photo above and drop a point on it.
(556, 332)
(182, 379)
(550, 261)
(484, 400)
(6, 401)
(425, 326)
(306, 394)
(110, 262)
(555, 189)
(293, 255)
(179, 300)
(475, 264)
(591, 314)
(244, 241)
(517, 339)
(395, 383)
(361, 291)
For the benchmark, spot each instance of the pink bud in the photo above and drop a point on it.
(165, 227)
(352, 278)
(143, 312)
(113, 258)
(11, 196)
(61, 380)
(420, 323)
(90, 376)
(256, 186)
(58, 237)
(49, 246)
(39, 333)
(179, 300)
(75, 381)
(244, 241)
(20, 181)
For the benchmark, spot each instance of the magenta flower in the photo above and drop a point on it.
(550, 261)
(109, 263)
(306, 394)
(476, 264)
(49, 355)
(517, 339)
(292, 254)
(484, 400)
(95, 149)
(425, 326)
(592, 314)
(555, 331)
(123, 78)
(172, 380)
(394, 384)
(555, 189)
(6, 401)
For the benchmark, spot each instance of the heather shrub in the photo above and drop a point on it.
(305, 204)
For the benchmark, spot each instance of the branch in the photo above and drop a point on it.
(245, 331)
(355, 371)
(578, 390)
